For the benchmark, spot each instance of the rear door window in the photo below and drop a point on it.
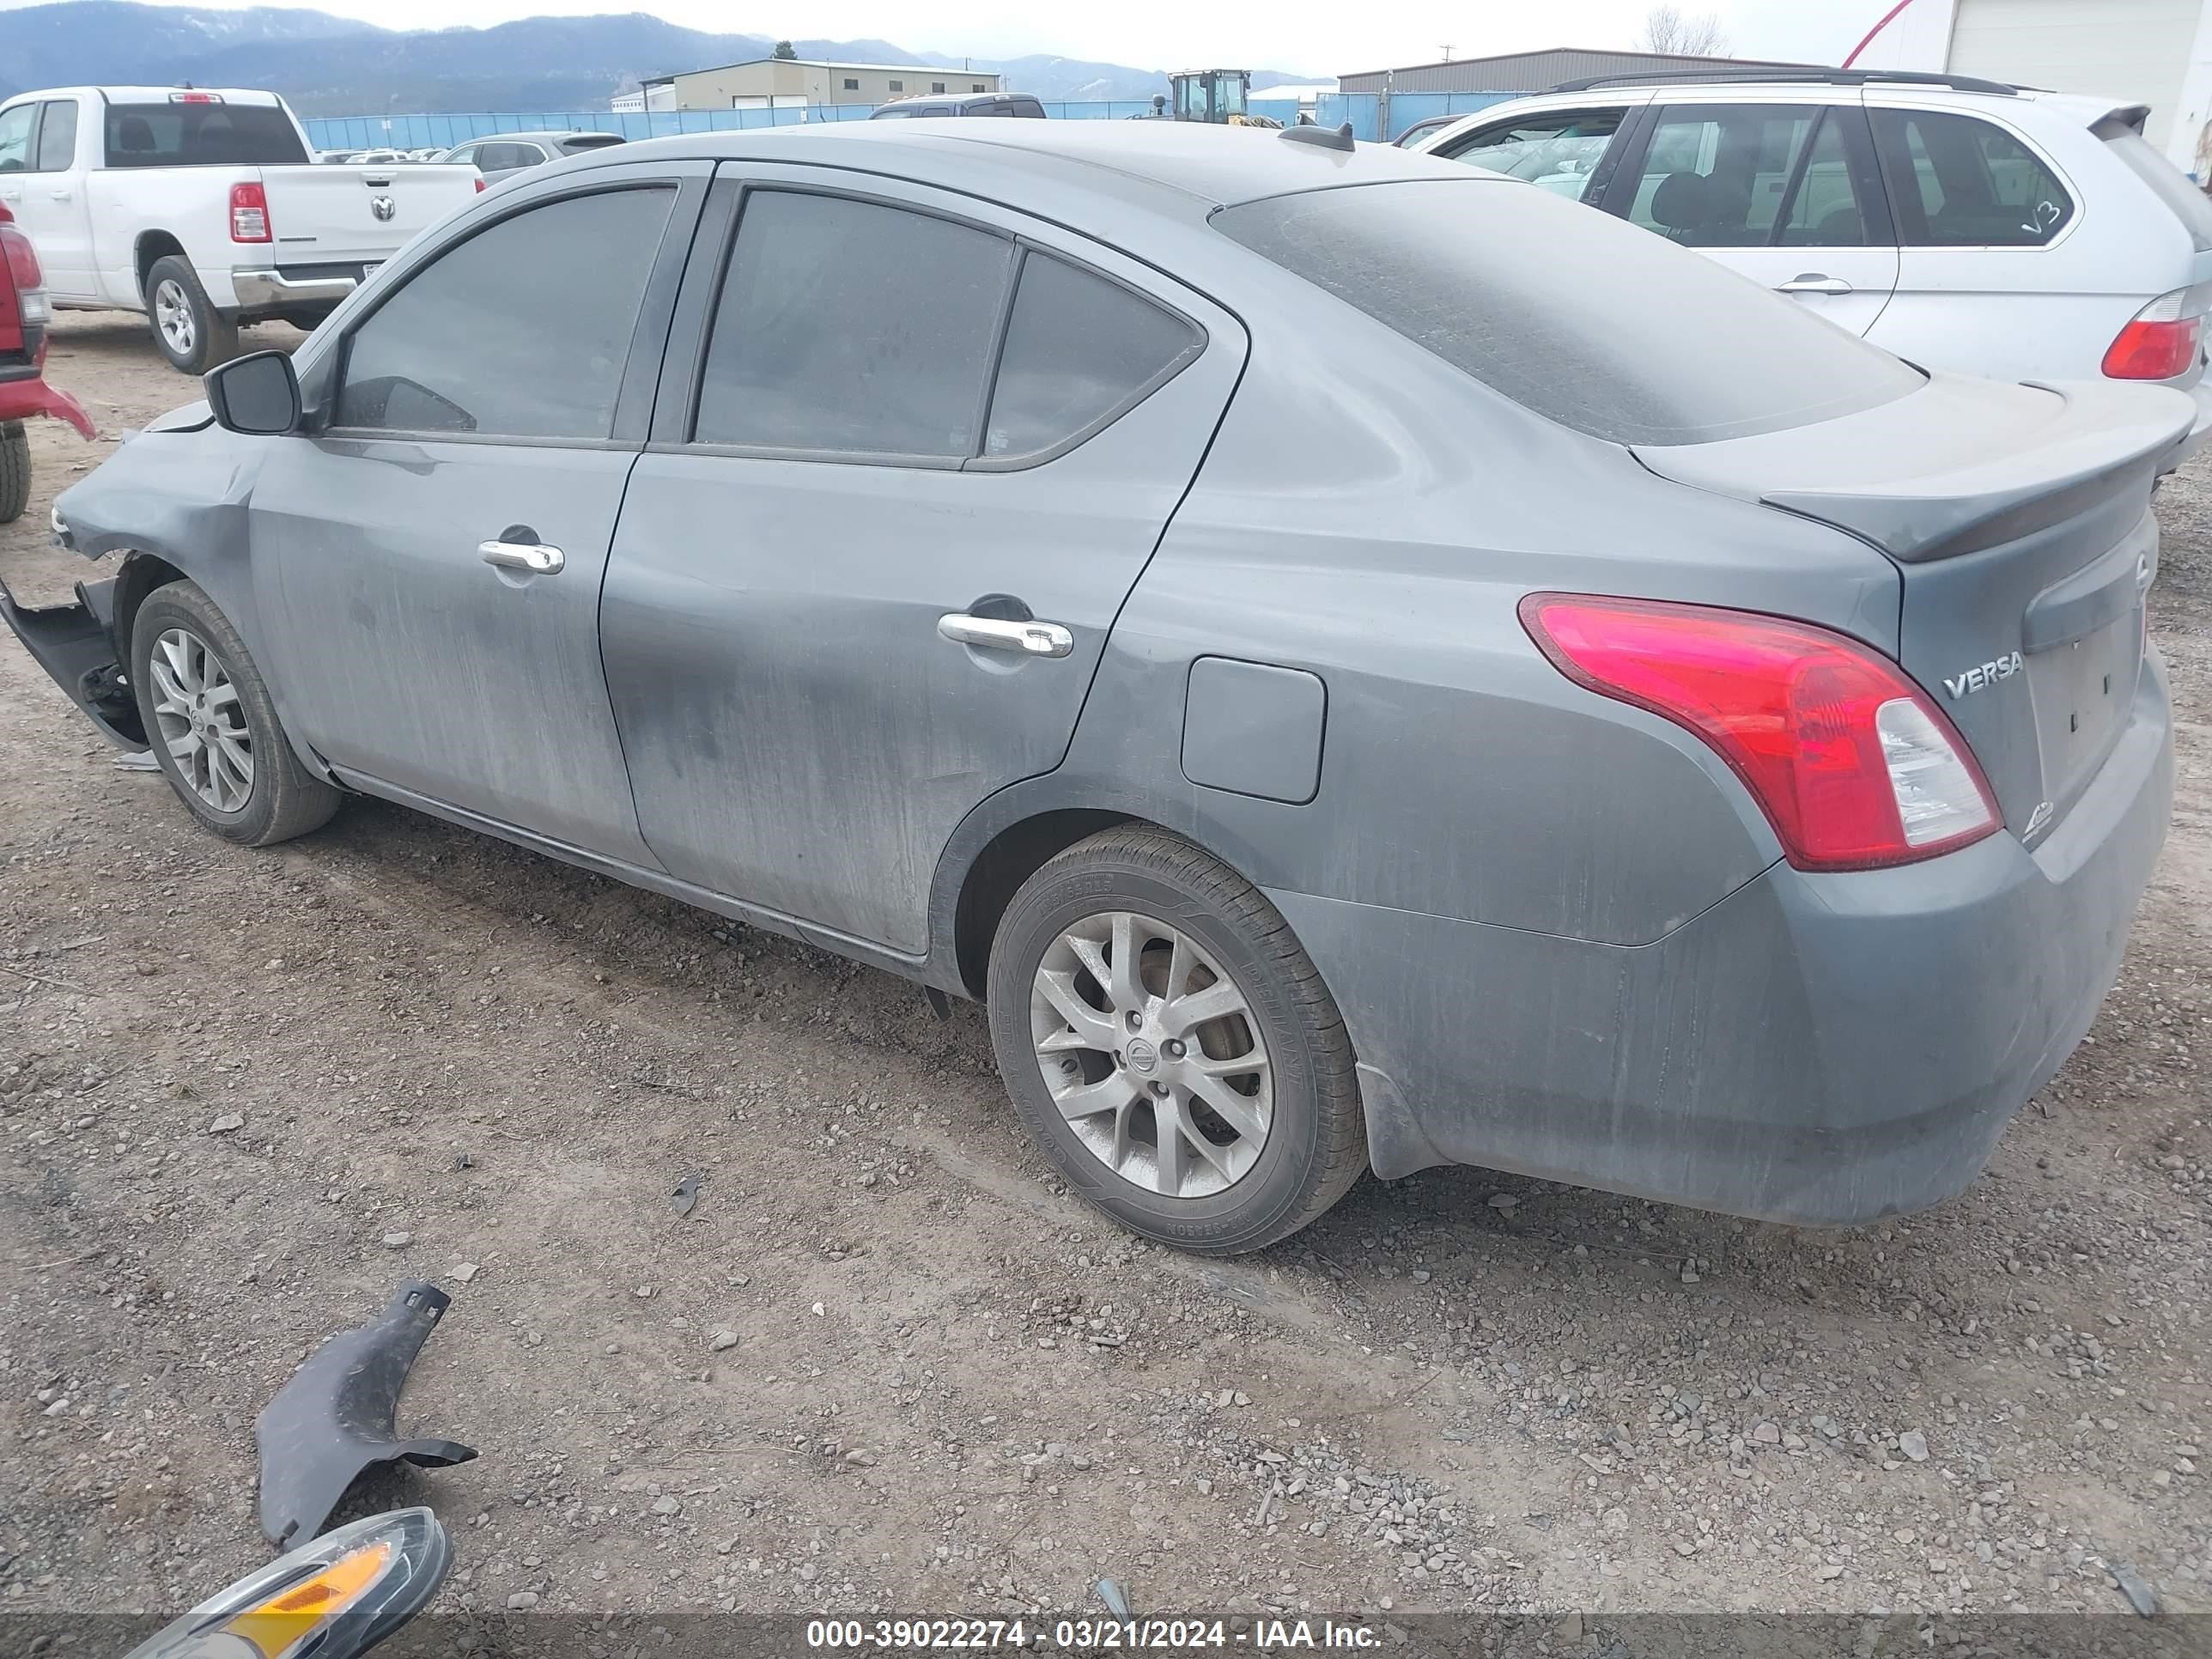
(1558, 151)
(1749, 175)
(509, 334)
(58, 136)
(1080, 350)
(182, 135)
(854, 328)
(1960, 181)
(1574, 316)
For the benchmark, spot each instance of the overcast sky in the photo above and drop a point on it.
(1318, 37)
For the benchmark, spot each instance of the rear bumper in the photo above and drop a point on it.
(2201, 430)
(1812, 1049)
(276, 290)
(22, 398)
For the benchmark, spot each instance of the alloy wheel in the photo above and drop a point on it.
(1150, 1051)
(202, 723)
(173, 315)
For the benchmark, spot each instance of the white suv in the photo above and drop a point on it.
(1961, 224)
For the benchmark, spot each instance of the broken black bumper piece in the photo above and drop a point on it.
(75, 644)
(334, 1418)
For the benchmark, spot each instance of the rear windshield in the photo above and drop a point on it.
(2168, 182)
(1590, 322)
(201, 136)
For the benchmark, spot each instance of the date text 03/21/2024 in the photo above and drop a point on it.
(1086, 1635)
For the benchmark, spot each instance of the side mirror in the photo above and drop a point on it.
(258, 395)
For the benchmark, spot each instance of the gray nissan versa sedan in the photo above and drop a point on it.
(1358, 661)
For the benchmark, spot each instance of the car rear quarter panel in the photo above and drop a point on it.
(1372, 517)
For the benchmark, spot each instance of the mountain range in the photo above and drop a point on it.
(327, 65)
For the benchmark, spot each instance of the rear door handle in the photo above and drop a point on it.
(1813, 282)
(60, 195)
(1035, 639)
(535, 557)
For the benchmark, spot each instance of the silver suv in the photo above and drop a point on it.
(1961, 223)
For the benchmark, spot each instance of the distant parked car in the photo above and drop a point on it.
(1019, 104)
(1962, 224)
(1352, 660)
(496, 157)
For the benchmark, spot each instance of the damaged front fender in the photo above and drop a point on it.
(75, 644)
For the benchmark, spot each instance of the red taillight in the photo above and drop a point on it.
(31, 309)
(2161, 343)
(480, 185)
(1852, 764)
(22, 258)
(249, 214)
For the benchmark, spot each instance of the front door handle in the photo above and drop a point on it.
(533, 557)
(1812, 281)
(1035, 639)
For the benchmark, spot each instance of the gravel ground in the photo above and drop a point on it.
(886, 1363)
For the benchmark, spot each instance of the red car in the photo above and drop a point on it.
(24, 314)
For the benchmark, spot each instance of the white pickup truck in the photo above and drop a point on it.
(203, 208)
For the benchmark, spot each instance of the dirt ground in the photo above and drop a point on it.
(886, 1363)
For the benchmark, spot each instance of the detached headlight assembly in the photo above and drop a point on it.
(338, 1594)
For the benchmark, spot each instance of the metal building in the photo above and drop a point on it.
(1532, 71)
(800, 83)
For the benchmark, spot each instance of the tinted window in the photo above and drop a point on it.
(1716, 176)
(201, 136)
(1822, 209)
(1078, 349)
(852, 327)
(1557, 153)
(2167, 182)
(576, 143)
(58, 136)
(1955, 181)
(890, 113)
(500, 158)
(1574, 315)
(15, 137)
(510, 332)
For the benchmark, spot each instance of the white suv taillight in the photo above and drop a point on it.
(249, 214)
(1853, 765)
(22, 262)
(2161, 343)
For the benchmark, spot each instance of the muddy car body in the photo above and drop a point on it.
(1261, 716)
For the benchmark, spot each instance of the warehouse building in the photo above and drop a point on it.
(801, 82)
(1533, 72)
(2157, 52)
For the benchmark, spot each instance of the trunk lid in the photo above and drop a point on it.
(2018, 518)
(337, 215)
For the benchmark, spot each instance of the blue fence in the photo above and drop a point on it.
(1369, 113)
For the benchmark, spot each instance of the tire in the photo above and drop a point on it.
(1124, 1126)
(15, 470)
(272, 798)
(187, 328)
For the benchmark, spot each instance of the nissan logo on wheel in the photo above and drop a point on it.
(383, 207)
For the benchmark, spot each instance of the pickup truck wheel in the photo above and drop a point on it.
(191, 333)
(207, 712)
(1170, 1046)
(14, 471)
